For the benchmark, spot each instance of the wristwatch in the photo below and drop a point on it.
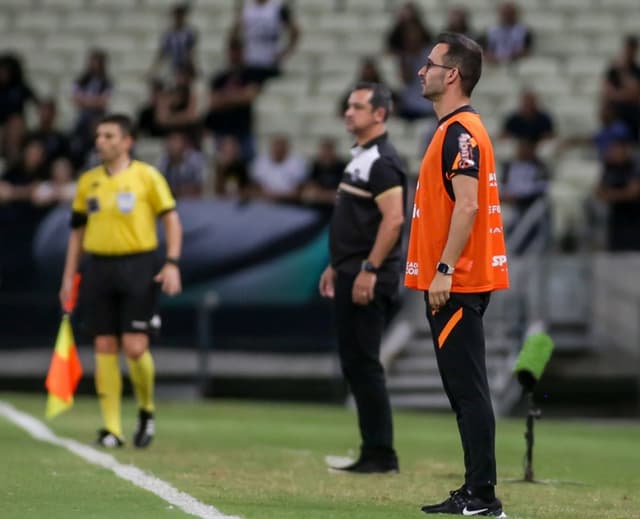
(173, 260)
(367, 266)
(445, 269)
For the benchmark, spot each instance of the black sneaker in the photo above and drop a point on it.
(108, 439)
(371, 465)
(462, 502)
(146, 429)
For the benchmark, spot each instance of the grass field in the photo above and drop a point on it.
(265, 461)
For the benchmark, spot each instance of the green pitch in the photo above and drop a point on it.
(266, 461)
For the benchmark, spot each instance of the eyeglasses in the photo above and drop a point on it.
(430, 64)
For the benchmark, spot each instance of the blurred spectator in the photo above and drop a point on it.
(15, 94)
(619, 188)
(147, 122)
(325, 174)
(408, 15)
(525, 180)
(231, 170)
(622, 86)
(55, 142)
(19, 218)
(368, 72)
(29, 169)
(612, 129)
(177, 45)
(261, 25)
(60, 189)
(279, 175)
(177, 107)
(411, 103)
(91, 95)
(182, 166)
(510, 40)
(529, 121)
(458, 21)
(231, 97)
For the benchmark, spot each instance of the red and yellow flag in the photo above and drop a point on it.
(65, 370)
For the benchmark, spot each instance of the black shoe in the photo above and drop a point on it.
(108, 439)
(145, 431)
(462, 502)
(371, 465)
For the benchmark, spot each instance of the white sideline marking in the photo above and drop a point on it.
(162, 489)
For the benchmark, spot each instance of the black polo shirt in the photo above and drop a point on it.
(375, 168)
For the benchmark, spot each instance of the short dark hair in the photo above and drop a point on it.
(380, 96)
(465, 55)
(123, 121)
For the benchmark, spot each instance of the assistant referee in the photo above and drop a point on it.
(114, 223)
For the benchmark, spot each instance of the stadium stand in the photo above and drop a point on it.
(574, 39)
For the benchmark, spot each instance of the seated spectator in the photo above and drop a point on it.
(369, 73)
(279, 175)
(619, 188)
(231, 170)
(621, 86)
(177, 45)
(182, 166)
(232, 93)
(15, 95)
(458, 22)
(510, 40)
(411, 103)
(60, 189)
(408, 15)
(525, 179)
(147, 122)
(325, 175)
(261, 26)
(56, 143)
(29, 169)
(91, 95)
(529, 121)
(177, 108)
(612, 128)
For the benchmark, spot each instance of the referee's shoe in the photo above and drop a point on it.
(146, 429)
(108, 439)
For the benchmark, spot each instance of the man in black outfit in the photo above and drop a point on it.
(364, 273)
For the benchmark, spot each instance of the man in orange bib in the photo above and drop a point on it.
(457, 257)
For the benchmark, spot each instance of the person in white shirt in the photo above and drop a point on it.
(261, 26)
(279, 175)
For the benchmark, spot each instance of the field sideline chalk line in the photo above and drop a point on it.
(141, 479)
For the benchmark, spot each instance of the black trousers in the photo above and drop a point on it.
(359, 334)
(458, 338)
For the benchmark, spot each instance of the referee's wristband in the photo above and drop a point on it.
(173, 261)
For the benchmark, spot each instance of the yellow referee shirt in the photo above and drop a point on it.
(122, 209)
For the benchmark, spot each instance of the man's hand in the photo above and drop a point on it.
(169, 276)
(363, 288)
(439, 291)
(327, 283)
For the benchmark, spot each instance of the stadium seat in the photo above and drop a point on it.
(38, 22)
(87, 22)
(144, 22)
(593, 22)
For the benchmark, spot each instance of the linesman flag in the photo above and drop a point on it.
(65, 370)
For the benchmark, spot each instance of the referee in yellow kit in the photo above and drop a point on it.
(114, 223)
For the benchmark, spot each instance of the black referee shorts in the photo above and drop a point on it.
(118, 294)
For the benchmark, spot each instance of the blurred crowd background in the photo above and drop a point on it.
(243, 100)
